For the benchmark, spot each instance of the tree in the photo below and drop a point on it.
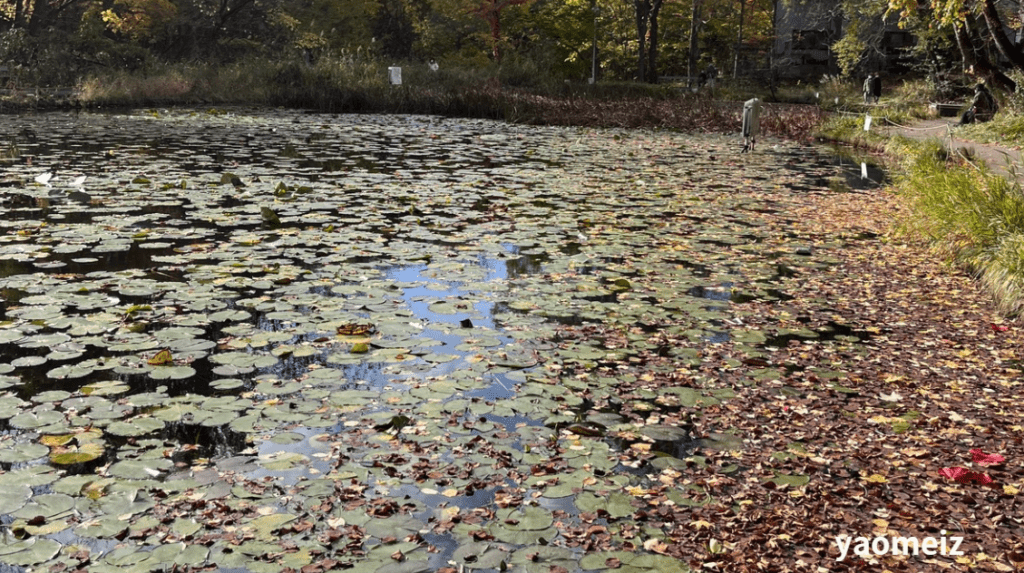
(490, 11)
(980, 32)
(692, 53)
(37, 16)
(566, 31)
(646, 12)
(393, 28)
(863, 33)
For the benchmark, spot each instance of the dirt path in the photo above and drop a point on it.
(1000, 159)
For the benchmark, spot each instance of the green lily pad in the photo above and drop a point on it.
(138, 426)
(784, 480)
(30, 551)
(19, 453)
(140, 469)
(14, 496)
(107, 388)
(662, 433)
(172, 372)
(76, 453)
(480, 555)
(48, 505)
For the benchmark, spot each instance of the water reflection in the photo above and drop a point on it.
(460, 244)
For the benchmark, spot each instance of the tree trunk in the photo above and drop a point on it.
(652, 45)
(739, 41)
(974, 60)
(44, 15)
(496, 36)
(643, 8)
(691, 62)
(226, 13)
(593, 54)
(490, 11)
(995, 28)
(19, 14)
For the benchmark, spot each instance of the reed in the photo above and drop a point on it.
(515, 91)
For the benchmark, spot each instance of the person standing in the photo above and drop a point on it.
(876, 87)
(867, 88)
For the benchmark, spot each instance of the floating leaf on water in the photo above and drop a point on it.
(400, 525)
(106, 388)
(227, 384)
(30, 551)
(51, 396)
(783, 480)
(269, 216)
(636, 562)
(172, 373)
(359, 330)
(36, 420)
(661, 433)
(140, 469)
(20, 453)
(161, 358)
(28, 361)
(76, 454)
(47, 505)
(13, 497)
(721, 441)
(263, 527)
(281, 461)
(135, 427)
(409, 566)
(480, 555)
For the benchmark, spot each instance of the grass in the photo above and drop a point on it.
(1004, 129)
(966, 214)
(969, 215)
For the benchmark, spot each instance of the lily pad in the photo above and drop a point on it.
(76, 453)
(140, 469)
(19, 453)
(30, 551)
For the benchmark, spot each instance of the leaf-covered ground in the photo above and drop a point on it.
(931, 373)
(265, 340)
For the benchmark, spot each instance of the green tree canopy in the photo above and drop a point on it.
(979, 27)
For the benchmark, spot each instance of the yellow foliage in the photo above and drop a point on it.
(138, 18)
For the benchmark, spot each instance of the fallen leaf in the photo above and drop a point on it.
(980, 457)
(964, 475)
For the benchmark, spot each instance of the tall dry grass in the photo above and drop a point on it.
(968, 215)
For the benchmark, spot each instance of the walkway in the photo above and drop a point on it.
(1000, 159)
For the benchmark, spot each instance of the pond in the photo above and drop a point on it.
(273, 340)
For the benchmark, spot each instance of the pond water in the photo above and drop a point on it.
(270, 339)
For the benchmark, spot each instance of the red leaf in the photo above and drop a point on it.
(964, 475)
(1000, 327)
(980, 457)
